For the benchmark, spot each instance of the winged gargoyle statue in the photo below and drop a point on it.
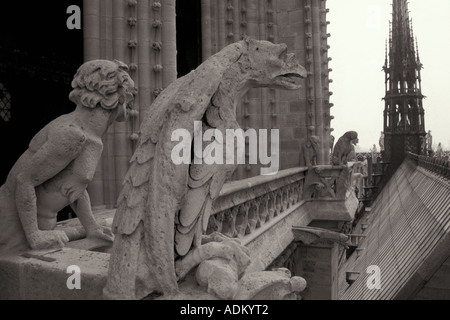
(164, 208)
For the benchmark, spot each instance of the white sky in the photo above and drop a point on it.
(359, 30)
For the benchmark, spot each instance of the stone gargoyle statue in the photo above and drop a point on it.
(164, 208)
(344, 150)
(308, 152)
(61, 160)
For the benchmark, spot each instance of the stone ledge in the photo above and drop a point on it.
(31, 278)
(325, 210)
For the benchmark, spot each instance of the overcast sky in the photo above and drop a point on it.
(359, 29)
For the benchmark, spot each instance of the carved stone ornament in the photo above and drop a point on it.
(164, 208)
(308, 152)
(277, 284)
(61, 160)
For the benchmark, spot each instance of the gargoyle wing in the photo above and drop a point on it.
(205, 182)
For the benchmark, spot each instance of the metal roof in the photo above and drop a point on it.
(407, 236)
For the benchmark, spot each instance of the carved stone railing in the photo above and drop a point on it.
(247, 205)
(435, 165)
(361, 156)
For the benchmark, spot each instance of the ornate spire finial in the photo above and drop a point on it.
(417, 51)
(386, 54)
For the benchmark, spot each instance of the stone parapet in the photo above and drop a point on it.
(247, 205)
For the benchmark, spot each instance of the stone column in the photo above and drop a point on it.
(142, 34)
(91, 27)
(169, 42)
(318, 86)
(91, 20)
(206, 29)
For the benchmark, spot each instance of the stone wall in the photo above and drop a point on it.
(142, 34)
(302, 25)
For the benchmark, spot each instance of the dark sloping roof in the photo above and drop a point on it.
(407, 237)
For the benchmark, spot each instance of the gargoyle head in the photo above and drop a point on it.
(352, 136)
(269, 65)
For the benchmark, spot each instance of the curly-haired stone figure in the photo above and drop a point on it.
(61, 160)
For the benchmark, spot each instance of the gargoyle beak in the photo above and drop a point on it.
(291, 73)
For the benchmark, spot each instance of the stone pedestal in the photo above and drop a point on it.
(319, 264)
(314, 254)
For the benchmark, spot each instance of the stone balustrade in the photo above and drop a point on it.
(435, 165)
(247, 205)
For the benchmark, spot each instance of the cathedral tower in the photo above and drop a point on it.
(404, 127)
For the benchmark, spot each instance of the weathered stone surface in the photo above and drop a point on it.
(220, 276)
(152, 219)
(24, 278)
(61, 160)
(270, 285)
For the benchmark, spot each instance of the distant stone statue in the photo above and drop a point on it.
(164, 208)
(381, 142)
(332, 140)
(373, 152)
(308, 152)
(344, 149)
(439, 151)
(429, 139)
(61, 160)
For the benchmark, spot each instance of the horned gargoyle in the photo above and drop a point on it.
(61, 160)
(164, 208)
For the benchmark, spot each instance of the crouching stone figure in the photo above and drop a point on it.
(61, 160)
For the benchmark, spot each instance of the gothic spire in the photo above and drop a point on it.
(402, 45)
(404, 122)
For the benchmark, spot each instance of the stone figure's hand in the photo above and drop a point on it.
(101, 232)
(48, 240)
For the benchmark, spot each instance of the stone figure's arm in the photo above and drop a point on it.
(83, 209)
(47, 161)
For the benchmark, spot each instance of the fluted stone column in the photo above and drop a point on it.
(141, 33)
(91, 27)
